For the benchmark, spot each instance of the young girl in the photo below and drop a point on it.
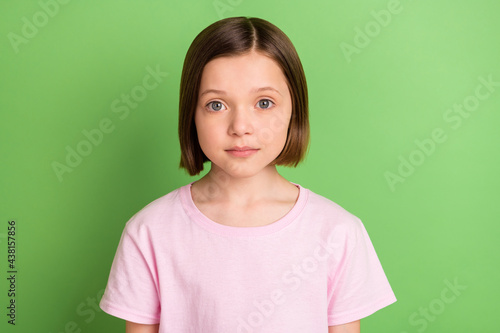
(242, 249)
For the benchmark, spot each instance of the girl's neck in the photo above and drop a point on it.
(218, 186)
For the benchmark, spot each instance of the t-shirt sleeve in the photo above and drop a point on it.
(132, 290)
(357, 285)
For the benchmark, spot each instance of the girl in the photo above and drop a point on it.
(242, 249)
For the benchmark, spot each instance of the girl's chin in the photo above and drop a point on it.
(238, 170)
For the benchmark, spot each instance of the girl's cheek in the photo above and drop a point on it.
(277, 124)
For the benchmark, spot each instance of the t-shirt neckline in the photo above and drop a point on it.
(202, 220)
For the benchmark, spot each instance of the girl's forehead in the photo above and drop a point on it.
(243, 70)
(250, 56)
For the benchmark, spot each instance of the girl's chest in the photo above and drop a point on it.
(248, 284)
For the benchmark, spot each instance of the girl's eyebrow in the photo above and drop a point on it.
(222, 92)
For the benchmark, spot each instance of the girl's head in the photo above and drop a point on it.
(231, 41)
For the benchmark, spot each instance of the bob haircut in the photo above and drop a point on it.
(235, 36)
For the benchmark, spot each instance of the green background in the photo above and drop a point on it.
(439, 224)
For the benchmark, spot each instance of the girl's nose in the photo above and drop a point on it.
(241, 121)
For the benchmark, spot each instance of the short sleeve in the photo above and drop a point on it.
(132, 289)
(358, 285)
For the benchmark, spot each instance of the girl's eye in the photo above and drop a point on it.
(218, 106)
(215, 106)
(265, 103)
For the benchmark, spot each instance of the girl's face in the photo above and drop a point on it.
(243, 101)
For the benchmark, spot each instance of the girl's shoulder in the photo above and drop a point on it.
(323, 205)
(331, 218)
(156, 211)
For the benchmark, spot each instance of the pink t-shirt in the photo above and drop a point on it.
(315, 267)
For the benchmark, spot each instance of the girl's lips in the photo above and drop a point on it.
(242, 153)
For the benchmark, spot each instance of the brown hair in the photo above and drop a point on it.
(231, 37)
